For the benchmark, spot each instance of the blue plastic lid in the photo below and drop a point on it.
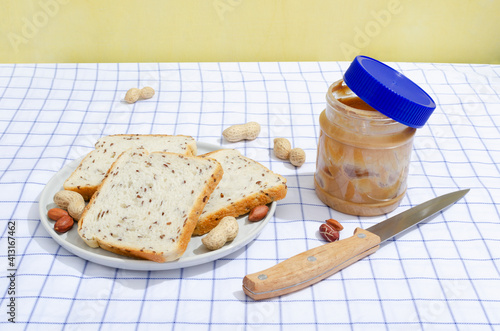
(389, 91)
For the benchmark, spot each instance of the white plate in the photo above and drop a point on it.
(195, 253)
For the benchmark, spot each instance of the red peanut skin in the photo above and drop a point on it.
(56, 213)
(328, 232)
(258, 213)
(335, 224)
(64, 224)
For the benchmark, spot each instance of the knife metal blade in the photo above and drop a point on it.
(316, 264)
(405, 220)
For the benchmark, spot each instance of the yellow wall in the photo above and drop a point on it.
(249, 30)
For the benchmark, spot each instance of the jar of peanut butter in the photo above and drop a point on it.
(366, 138)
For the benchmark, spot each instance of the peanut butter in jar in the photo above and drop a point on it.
(363, 155)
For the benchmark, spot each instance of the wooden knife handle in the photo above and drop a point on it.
(310, 267)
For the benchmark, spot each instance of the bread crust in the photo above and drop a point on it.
(202, 200)
(184, 236)
(239, 208)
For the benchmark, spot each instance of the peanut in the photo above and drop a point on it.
(56, 213)
(335, 224)
(71, 201)
(225, 231)
(282, 148)
(64, 224)
(147, 92)
(297, 157)
(258, 213)
(135, 94)
(238, 132)
(328, 232)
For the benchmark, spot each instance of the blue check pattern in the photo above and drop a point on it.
(443, 275)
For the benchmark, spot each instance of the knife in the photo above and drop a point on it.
(316, 264)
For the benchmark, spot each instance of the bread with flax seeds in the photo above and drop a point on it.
(149, 203)
(246, 184)
(94, 166)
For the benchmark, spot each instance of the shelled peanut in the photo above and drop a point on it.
(64, 222)
(258, 213)
(330, 230)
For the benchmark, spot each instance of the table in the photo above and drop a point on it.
(443, 275)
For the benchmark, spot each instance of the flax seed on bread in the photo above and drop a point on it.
(149, 203)
(246, 184)
(91, 171)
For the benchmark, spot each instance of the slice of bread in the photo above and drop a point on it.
(246, 184)
(91, 171)
(148, 204)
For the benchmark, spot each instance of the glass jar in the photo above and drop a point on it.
(366, 138)
(363, 156)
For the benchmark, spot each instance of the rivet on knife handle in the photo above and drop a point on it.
(310, 267)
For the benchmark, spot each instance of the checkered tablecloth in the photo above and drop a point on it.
(443, 275)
